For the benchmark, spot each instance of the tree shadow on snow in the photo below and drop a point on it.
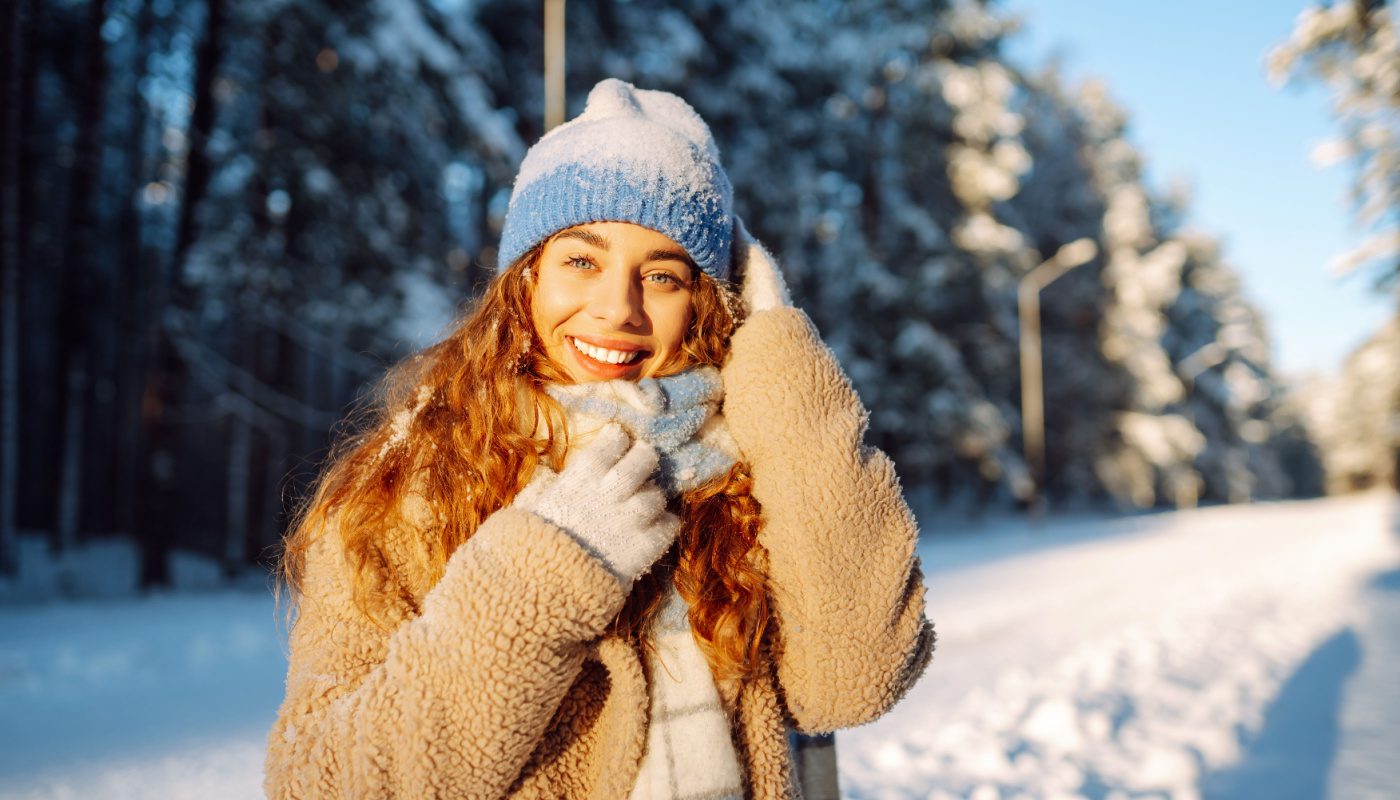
(1291, 757)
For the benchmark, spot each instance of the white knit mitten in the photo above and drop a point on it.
(761, 282)
(604, 498)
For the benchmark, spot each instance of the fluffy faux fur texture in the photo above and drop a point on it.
(505, 684)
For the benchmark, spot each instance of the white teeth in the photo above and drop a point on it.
(605, 355)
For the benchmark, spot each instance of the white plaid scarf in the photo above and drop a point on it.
(689, 753)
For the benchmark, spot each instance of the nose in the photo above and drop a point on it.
(616, 300)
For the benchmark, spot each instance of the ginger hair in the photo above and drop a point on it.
(446, 424)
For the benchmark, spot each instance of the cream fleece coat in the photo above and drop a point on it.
(505, 686)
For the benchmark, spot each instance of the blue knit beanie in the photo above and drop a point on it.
(633, 155)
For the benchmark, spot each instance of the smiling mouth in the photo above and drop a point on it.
(606, 356)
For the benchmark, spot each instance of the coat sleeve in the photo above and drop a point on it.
(451, 702)
(846, 583)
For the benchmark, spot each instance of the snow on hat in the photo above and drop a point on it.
(633, 155)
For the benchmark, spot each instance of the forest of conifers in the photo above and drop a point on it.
(223, 220)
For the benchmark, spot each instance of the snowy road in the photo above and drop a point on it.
(1233, 652)
(1226, 653)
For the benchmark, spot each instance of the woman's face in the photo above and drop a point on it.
(612, 300)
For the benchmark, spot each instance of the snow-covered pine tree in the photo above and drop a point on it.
(352, 159)
(1353, 48)
(1356, 417)
(1158, 424)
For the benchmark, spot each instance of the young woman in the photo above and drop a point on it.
(617, 534)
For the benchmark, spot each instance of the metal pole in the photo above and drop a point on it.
(1078, 252)
(553, 63)
(815, 757)
(1032, 388)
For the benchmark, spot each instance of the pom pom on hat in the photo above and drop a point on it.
(633, 155)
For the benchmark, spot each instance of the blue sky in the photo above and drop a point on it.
(1191, 75)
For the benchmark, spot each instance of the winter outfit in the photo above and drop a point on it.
(505, 683)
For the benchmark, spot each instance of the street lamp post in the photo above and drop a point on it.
(1077, 252)
(553, 63)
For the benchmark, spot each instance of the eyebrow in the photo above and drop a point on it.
(601, 242)
(587, 236)
(671, 254)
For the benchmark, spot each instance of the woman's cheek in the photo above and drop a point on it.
(671, 318)
(550, 309)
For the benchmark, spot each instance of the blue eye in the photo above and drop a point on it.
(579, 262)
(664, 279)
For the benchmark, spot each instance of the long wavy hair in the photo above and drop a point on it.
(451, 423)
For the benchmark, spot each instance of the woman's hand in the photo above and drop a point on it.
(761, 282)
(604, 498)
